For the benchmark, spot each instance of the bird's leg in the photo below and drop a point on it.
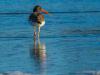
(34, 32)
(35, 51)
(38, 32)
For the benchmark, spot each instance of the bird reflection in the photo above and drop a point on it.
(39, 53)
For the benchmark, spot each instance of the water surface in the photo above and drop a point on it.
(69, 42)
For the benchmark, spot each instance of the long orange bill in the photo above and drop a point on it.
(44, 11)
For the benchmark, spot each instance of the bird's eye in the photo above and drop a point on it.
(40, 8)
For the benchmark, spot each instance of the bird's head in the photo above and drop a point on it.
(39, 9)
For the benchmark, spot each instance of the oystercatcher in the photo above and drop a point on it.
(37, 18)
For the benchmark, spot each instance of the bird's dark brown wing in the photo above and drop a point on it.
(36, 17)
(32, 17)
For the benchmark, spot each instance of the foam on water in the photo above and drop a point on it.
(15, 73)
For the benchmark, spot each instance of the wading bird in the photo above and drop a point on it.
(37, 19)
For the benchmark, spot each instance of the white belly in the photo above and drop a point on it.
(42, 24)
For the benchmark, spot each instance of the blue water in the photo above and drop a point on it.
(71, 41)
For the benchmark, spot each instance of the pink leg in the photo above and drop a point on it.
(34, 35)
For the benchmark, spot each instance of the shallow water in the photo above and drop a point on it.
(69, 42)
